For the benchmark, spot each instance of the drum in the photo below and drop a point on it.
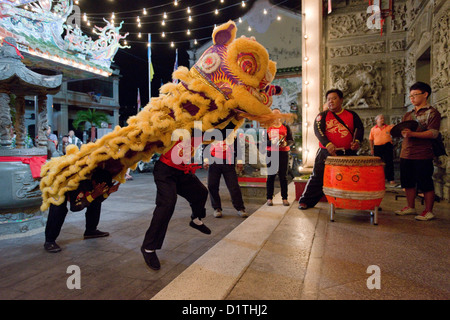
(354, 182)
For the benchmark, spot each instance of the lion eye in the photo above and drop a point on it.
(247, 62)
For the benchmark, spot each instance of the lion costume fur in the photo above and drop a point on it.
(230, 82)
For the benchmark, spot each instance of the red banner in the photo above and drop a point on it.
(35, 163)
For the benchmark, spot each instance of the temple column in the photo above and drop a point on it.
(311, 76)
(5, 121)
(115, 119)
(63, 120)
(19, 124)
(42, 122)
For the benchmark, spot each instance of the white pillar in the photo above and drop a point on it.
(311, 76)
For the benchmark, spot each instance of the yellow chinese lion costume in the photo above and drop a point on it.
(230, 82)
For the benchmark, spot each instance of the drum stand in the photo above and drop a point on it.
(373, 213)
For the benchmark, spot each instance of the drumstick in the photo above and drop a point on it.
(354, 135)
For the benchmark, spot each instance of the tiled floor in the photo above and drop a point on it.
(112, 267)
(305, 257)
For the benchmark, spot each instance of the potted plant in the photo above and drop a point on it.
(95, 118)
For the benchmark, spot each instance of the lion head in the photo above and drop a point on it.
(239, 69)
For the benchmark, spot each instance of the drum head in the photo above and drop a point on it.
(396, 131)
(353, 161)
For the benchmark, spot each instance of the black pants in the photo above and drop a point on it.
(228, 171)
(171, 182)
(314, 188)
(386, 153)
(57, 215)
(282, 172)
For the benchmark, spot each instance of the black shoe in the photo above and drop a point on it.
(95, 234)
(151, 259)
(201, 228)
(302, 206)
(51, 247)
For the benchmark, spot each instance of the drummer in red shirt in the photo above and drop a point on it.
(339, 132)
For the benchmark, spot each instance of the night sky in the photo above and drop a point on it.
(133, 63)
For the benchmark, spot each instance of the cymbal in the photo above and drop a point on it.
(396, 131)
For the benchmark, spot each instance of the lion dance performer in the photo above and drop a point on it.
(230, 82)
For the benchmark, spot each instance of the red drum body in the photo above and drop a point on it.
(354, 182)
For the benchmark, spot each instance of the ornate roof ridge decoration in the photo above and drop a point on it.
(42, 30)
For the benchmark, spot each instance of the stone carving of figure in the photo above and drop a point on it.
(361, 84)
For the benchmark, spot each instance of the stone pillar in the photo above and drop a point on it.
(311, 76)
(19, 125)
(115, 119)
(50, 109)
(42, 122)
(5, 121)
(64, 120)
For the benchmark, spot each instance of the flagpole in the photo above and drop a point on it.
(150, 67)
(175, 66)
(138, 101)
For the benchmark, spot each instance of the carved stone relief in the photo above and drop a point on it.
(400, 21)
(25, 187)
(398, 83)
(361, 84)
(5, 120)
(440, 52)
(358, 49)
(349, 25)
(397, 45)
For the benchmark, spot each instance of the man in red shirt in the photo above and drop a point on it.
(90, 194)
(279, 141)
(174, 175)
(221, 162)
(339, 132)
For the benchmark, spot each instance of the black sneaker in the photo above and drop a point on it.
(302, 206)
(201, 228)
(95, 234)
(51, 247)
(151, 259)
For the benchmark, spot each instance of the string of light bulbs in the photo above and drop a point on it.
(165, 34)
(164, 15)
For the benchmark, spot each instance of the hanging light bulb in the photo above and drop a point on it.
(172, 44)
(265, 11)
(188, 32)
(188, 10)
(163, 23)
(144, 12)
(243, 4)
(175, 3)
(163, 34)
(190, 19)
(216, 11)
(195, 41)
(165, 15)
